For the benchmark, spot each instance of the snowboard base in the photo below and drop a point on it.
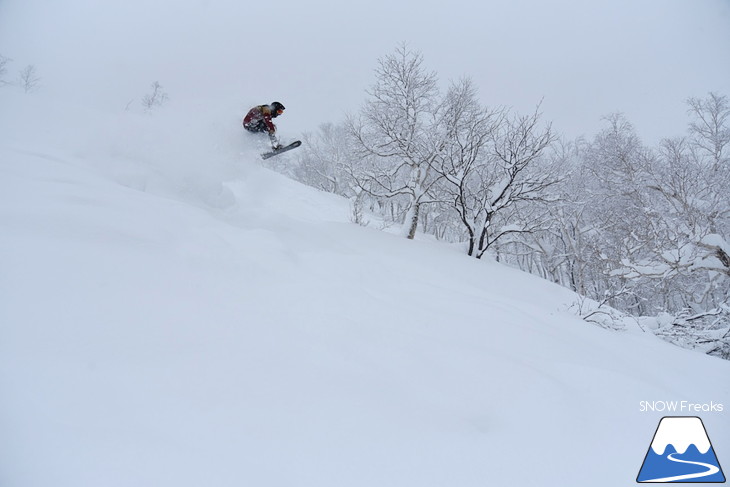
(278, 151)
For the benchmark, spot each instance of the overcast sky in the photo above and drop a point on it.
(585, 59)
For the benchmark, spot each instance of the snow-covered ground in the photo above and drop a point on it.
(172, 313)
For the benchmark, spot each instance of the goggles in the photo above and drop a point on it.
(279, 111)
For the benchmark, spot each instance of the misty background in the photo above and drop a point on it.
(585, 60)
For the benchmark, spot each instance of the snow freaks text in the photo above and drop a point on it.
(682, 407)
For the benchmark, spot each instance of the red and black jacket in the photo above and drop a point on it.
(257, 115)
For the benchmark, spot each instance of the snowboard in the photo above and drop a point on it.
(278, 151)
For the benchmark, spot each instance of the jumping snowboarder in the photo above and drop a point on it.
(258, 120)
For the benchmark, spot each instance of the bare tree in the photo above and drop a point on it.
(28, 79)
(156, 98)
(562, 250)
(399, 129)
(514, 173)
(469, 128)
(710, 128)
(326, 160)
(3, 68)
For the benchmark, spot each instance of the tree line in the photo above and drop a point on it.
(640, 232)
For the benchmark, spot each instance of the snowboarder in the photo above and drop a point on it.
(258, 120)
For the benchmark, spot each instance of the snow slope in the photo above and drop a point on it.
(174, 314)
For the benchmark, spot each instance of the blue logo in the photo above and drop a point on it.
(680, 452)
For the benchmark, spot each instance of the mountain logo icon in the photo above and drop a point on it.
(680, 452)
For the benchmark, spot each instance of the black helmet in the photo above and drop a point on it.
(276, 109)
